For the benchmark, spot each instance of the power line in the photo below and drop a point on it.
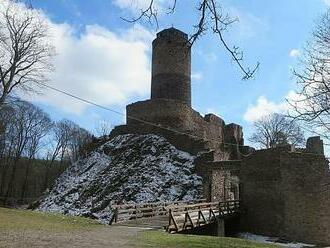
(133, 118)
(146, 122)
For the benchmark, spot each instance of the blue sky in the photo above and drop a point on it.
(104, 59)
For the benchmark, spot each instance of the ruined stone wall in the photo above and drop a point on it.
(260, 176)
(233, 134)
(306, 193)
(284, 195)
(220, 185)
(170, 103)
(180, 141)
(315, 145)
(218, 178)
(178, 116)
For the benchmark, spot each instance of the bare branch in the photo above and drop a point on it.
(275, 129)
(313, 103)
(24, 48)
(150, 13)
(210, 15)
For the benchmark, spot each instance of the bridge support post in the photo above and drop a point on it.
(221, 227)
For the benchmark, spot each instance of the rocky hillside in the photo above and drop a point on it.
(129, 168)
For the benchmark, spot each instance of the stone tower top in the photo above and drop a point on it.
(315, 145)
(171, 66)
(172, 32)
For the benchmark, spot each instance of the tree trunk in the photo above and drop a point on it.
(4, 176)
(11, 180)
(26, 177)
(2, 99)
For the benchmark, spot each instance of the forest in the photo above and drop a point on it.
(34, 150)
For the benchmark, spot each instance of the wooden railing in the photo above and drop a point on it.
(125, 212)
(185, 217)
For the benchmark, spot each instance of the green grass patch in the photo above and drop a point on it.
(17, 221)
(164, 240)
(13, 219)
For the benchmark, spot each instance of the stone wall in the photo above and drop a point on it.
(177, 116)
(180, 141)
(315, 145)
(234, 140)
(171, 66)
(169, 113)
(306, 192)
(283, 194)
(261, 196)
(219, 179)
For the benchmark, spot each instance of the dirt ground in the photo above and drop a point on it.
(113, 236)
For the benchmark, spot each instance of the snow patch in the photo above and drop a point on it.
(272, 240)
(127, 169)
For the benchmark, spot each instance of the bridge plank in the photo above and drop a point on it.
(181, 215)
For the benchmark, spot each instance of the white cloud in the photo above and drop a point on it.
(197, 76)
(265, 107)
(294, 53)
(132, 5)
(99, 65)
(135, 6)
(262, 108)
(327, 2)
(96, 64)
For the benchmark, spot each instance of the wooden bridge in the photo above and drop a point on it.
(175, 216)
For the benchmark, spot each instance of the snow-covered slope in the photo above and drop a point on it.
(129, 168)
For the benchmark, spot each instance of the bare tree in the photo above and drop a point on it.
(103, 128)
(67, 141)
(60, 137)
(6, 116)
(6, 141)
(25, 51)
(211, 17)
(39, 130)
(24, 140)
(275, 129)
(79, 138)
(26, 126)
(312, 105)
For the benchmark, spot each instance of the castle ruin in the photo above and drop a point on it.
(284, 192)
(168, 112)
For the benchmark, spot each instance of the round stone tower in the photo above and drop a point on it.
(171, 66)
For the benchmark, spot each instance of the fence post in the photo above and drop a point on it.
(136, 211)
(220, 227)
(169, 219)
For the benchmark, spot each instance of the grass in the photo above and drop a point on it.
(164, 240)
(15, 223)
(13, 219)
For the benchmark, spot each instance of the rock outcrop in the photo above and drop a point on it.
(126, 169)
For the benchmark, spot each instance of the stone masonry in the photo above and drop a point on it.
(171, 66)
(169, 107)
(284, 192)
